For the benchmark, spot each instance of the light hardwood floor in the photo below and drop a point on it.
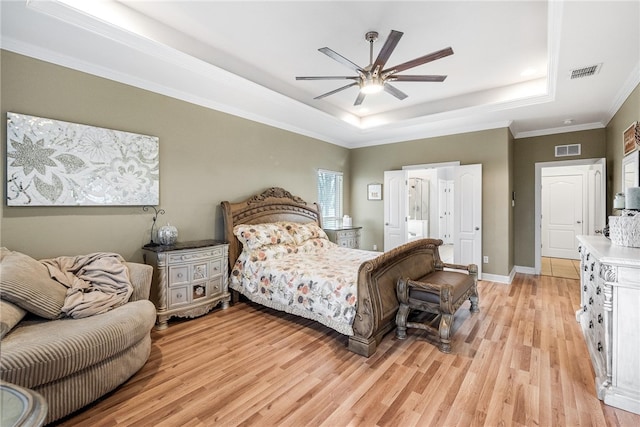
(560, 267)
(521, 361)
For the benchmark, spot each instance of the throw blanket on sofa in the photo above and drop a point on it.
(97, 282)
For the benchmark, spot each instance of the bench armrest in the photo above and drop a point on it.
(471, 268)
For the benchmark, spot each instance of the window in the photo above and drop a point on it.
(330, 196)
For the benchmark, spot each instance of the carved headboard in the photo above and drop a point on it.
(272, 205)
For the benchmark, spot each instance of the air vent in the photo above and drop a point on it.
(578, 73)
(568, 150)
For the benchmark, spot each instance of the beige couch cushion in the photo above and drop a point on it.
(37, 353)
(26, 282)
(10, 315)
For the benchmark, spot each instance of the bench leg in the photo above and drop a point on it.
(446, 322)
(474, 303)
(401, 321)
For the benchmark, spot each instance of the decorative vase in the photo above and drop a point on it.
(168, 235)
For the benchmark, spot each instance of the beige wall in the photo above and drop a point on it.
(528, 152)
(205, 157)
(197, 145)
(628, 113)
(490, 148)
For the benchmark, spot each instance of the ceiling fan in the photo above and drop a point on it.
(374, 77)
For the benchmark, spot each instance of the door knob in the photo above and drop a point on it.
(579, 222)
(477, 228)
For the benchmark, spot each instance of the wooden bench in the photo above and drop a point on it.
(440, 292)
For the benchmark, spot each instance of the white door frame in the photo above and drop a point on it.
(538, 197)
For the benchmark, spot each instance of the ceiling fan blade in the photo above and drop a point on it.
(327, 78)
(341, 59)
(387, 49)
(336, 90)
(359, 99)
(408, 78)
(419, 61)
(395, 91)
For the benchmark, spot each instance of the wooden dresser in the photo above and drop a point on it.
(610, 318)
(189, 279)
(347, 237)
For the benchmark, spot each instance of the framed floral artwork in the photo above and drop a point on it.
(56, 163)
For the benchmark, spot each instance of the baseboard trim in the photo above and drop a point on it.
(500, 278)
(525, 270)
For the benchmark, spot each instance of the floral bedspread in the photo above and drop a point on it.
(316, 280)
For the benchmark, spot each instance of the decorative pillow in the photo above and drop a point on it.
(304, 232)
(10, 315)
(255, 236)
(25, 282)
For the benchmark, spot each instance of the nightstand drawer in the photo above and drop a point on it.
(178, 296)
(216, 267)
(189, 256)
(215, 286)
(200, 271)
(178, 275)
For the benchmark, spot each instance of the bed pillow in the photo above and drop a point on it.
(10, 315)
(25, 282)
(255, 236)
(271, 252)
(303, 232)
(314, 245)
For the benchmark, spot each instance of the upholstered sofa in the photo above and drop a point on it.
(71, 362)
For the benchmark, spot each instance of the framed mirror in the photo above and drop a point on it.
(630, 171)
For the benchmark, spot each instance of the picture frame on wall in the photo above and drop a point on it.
(51, 162)
(630, 138)
(374, 192)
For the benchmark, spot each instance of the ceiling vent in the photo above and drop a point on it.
(568, 150)
(578, 73)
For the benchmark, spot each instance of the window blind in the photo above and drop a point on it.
(330, 196)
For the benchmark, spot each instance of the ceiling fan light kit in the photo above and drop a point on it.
(374, 78)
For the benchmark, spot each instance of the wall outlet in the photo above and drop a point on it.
(375, 247)
(485, 259)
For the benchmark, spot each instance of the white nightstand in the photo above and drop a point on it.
(348, 237)
(189, 279)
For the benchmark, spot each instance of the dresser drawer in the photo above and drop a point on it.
(215, 286)
(178, 296)
(216, 267)
(178, 275)
(188, 256)
(199, 271)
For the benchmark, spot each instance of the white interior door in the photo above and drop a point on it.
(562, 215)
(394, 194)
(467, 216)
(445, 210)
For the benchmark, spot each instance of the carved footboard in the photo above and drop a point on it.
(377, 300)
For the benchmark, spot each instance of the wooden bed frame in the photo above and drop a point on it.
(377, 301)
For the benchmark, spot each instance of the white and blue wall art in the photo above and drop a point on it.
(56, 163)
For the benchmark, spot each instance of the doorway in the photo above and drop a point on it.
(569, 200)
(437, 201)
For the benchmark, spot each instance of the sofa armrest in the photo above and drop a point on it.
(140, 275)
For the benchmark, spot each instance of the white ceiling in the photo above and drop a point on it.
(242, 57)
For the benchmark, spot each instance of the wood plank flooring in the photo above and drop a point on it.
(521, 361)
(560, 267)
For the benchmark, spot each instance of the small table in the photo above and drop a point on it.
(21, 407)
